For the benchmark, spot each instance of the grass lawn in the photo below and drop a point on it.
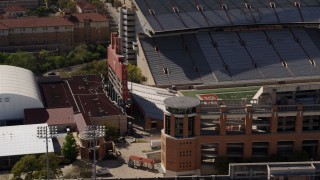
(225, 93)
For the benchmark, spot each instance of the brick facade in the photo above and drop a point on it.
(52, 33)
(183, 154)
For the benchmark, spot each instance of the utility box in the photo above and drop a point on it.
(154, 144)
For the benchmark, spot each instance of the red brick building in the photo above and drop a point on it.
(52, 33)
(280, 120)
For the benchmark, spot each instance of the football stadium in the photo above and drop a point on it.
(243, 75)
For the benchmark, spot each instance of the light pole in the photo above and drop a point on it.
(94, 132)
(45, 132)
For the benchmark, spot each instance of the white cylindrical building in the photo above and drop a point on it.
(18, 91)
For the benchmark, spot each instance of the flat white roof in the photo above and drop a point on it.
(22, 139)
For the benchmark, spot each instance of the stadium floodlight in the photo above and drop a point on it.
(94, 132)
(46, 132)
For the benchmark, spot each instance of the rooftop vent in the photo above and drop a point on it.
(196, 69)
(297, 4)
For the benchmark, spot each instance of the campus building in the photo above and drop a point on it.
(30, 4)
(276, 120)
(52, 33)
(270, 48)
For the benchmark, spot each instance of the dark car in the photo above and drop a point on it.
(103, 172)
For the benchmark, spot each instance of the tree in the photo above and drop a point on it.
(33, 167)
(70, 148)
(27, 164)
(134, 73)
(22, 59)
(111, 132)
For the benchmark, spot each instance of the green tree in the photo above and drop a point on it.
(23, 59)
(3, 57)
(27, 164)
(70, 148)
(134, 73)
(33, 167)
(111, 132)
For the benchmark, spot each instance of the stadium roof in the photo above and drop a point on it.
(22, 140)
(168, 15)
(16, 80)
(150, 99)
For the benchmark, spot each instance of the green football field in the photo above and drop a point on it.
(225, 93)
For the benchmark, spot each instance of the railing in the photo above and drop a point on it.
(311, 107)
(282, 108)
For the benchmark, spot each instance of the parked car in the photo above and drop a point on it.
(103, 172)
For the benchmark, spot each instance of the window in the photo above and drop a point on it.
(167, 127)
(190, 126)
(178, 127)
(6, 99)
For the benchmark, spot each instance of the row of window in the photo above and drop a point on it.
(5, 99)
(185, 164)
(185, 153)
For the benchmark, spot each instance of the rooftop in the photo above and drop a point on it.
(166, 15)
(22, 140)
(150, 99)
(181, 102)
(84, 93)
(94, 17)
(14, 8)
(54, 116)
(29, 22)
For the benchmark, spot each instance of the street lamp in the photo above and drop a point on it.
(94, 132)
(45, 132)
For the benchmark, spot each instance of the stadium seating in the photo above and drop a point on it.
(210, 57)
